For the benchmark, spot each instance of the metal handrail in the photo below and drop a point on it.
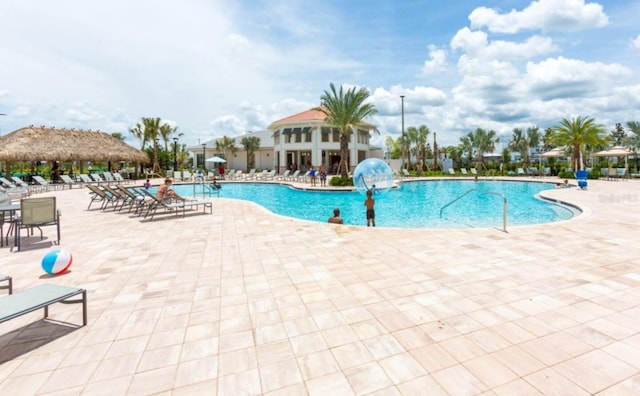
(206, 187)
(504, 204)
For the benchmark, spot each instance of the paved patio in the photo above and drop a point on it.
(247, 302)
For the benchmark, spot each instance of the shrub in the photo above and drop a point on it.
(339, 181)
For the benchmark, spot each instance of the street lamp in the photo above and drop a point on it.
(403, 142)
(175, 154)
(204, 148)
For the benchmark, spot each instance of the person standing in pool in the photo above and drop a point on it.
(312, 176)
(369, 203)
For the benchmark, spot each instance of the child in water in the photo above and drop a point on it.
(369, 203)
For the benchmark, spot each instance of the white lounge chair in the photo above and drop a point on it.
(250, 175)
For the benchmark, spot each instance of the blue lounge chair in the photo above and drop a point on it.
(581, 178)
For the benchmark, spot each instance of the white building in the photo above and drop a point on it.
(303, 139)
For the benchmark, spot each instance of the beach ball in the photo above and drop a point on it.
(373, 174)
(56, 262)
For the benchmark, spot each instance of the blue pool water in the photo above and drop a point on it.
(414, 204)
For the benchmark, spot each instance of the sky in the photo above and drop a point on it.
(216, 68)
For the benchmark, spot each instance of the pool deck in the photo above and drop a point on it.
(245, 302)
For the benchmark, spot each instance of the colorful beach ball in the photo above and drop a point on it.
(56, 262)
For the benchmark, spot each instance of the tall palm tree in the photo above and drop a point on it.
(345, 110)
(152, 132)
(418, 136)
(227, 145)
(251, 145)
(578, 134)
(482, 141)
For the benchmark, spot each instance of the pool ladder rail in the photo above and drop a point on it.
(504, 204)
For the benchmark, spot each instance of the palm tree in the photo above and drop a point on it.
(148, 131)
(482, 141)
(226, 145)
(578, 134)
(418, 136)
(118, 136)
(251, 145)
(345, 110)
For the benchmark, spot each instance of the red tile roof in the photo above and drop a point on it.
(304, 117)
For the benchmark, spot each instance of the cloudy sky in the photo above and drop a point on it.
(214, 67)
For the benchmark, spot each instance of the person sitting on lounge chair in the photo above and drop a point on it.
(166, 193)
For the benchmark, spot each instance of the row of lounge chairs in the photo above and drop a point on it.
(139, 201)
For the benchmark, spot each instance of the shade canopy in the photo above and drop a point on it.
(51, 144)
(554, 153)
(615, 151)
(215, 159)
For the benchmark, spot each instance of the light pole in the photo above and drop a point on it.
(403, 142)
(204, 148)
(175, 154)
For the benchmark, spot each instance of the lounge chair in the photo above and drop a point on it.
(41, 296)
(284, 175)
(546, 171)
(108, 177)
(294, 176)
(19, 182)
(304, 178)
(622, 173)
(520, 172)
(99, 195)
(136, 199)
(37, 213)
(9, 285)
(406, 173)
(250, 175)
(474, 171)
(262, 175)
(451, 171)
(96, 178)
(581, 178)
(155, 204)
(119, 179)
(67, 181)
(84, 178)
(463, 171)
(13, 189)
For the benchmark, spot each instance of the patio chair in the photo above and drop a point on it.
(136, 199)
(451, 171)
(474, 171)
(581, 178)
(464, 171)
(119, 179)
(99, 195)
(155, 204)
(250, 175)
(37, 213)
(284, 175)
(96, 178)
(294, 176)
(406, 173)
(520, 172)
(67, 181)
(45, 185)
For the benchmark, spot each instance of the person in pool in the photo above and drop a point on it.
(369, 203)
(335, 219)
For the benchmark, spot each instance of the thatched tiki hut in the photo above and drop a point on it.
(51, 144)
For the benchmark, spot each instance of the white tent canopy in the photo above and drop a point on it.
(215, 159)
(615, 151)
(554, 153)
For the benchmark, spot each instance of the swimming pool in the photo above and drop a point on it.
(414, 205)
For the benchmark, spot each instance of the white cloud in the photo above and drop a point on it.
(636, 42)
(546, 15)
(437, 60)
(566, 78)
(477, 45)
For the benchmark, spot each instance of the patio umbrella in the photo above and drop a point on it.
(554, 153)
(615, 151)
(215, 159)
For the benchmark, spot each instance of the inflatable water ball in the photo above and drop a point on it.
(373, 174)
(56, 262)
